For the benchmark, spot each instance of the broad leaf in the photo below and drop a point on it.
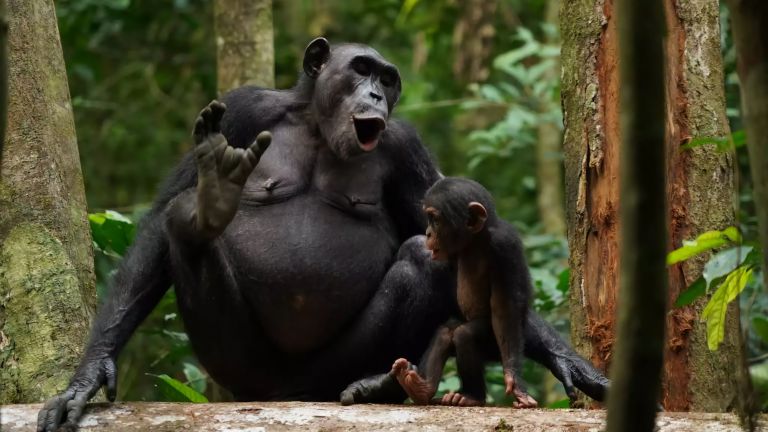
(725, 262)
(176, 391)
(111, 231)
(195, 377)
(703, 243)
(714, 312)
(694, 291)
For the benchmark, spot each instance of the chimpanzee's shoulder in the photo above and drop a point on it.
(252, 109)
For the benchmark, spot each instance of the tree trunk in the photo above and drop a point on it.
(750, 33)
(47, 287)
(636, 374)
(699, 188)
(548, 151)
(3, 78)
(244, 41)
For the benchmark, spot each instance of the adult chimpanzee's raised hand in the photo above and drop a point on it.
(221, 170)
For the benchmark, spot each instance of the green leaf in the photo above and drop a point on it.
(760, 324)
(725, 262)
(111, 231)
(195, 377)
(176, 391)
(703, 243)
(697, 289)
(561, 404)
(714, 312)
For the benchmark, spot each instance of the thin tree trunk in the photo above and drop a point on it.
(750, 33)
(548, 151)
(47, 287)
(3, 78)
(245, 43)
(636, 374)
(699, 188)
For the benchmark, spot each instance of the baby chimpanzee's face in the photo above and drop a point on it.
(444, 238)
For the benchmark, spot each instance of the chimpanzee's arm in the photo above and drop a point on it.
(140, 282)
(412, 172)
(510, 297)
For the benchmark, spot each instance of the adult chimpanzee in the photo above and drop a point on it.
(286, 265)
(493, 291)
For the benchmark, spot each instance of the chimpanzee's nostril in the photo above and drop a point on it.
(376, 96)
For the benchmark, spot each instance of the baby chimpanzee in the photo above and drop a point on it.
(493, 291)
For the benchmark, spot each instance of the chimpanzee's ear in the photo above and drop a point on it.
(316, 56)
(477, 217)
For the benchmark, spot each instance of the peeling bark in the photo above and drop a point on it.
(699, 192)
(47, 285)
(245, 43)
(290, 416)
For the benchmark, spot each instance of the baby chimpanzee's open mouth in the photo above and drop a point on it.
(368, 130)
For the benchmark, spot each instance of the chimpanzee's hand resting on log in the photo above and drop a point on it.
(67, 406)
(221, 171)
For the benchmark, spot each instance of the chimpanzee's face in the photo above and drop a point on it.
(445, 239)
(355, 92)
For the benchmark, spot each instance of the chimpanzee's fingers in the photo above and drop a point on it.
(217, 109)
(198, 131)
(263, 140)
(110, 371)
(207, 115)
(50, 416)
(75, 409)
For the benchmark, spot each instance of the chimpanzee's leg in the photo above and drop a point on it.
(416, 297)
(422, 385)
(471, 345)
(413, 300)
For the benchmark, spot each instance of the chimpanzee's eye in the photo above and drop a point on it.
(388, 79)
(361, 67)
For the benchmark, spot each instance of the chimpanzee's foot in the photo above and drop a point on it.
(415, 386)
(458, 399)
(222, 170)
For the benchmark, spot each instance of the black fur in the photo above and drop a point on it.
(303, 290)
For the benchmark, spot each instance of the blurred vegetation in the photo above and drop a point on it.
(140, 70)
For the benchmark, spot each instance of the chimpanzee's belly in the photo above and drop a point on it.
(307, 268)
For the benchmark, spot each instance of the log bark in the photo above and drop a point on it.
(636, 374)
(288, 416)
(47, 285)
(699, 189)
(245, 43)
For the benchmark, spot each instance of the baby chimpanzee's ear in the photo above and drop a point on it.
(477, 217)
(316, 56)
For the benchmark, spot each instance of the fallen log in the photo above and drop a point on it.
(282, 416)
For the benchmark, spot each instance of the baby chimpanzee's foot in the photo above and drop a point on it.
(415, 386)
(458, 399)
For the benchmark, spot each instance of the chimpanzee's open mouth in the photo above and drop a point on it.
(368, 130)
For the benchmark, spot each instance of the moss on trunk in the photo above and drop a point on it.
(47, 286)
